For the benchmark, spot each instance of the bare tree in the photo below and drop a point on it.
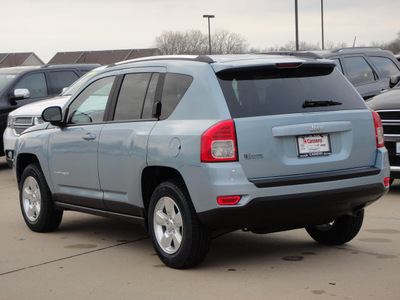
(225, 42)
(195, 42)
(170, 43)
(394, 45)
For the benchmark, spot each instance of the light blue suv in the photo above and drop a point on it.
(192, 146)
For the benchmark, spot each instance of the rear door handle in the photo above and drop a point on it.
(89, 137)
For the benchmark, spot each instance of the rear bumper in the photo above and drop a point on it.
(278, 213)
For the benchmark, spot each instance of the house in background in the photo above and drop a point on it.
(103, 57)
(19, 59)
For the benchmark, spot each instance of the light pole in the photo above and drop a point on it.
(296, 16)
(322, 23)
(209, 31)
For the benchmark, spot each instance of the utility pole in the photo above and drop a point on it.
(296, 24)
(322, 23)
(209, 30)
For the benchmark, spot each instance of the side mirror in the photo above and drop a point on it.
(19, 94)
(53, 114)
(394, 80)
(64, 90)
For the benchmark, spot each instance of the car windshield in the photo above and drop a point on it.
(77, 84)
(5, 81)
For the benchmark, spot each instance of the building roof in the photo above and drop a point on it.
(103, 57)
(19, 59)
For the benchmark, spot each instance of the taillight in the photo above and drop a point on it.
(380, 140)
(288, 65)
(218, 143)
(386, 181)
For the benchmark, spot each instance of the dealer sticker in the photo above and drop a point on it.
(313, 145)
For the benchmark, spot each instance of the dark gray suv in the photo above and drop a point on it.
(368, 69)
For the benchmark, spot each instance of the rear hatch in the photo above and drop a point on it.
(298, 118)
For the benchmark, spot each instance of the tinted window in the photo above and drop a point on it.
(175, 86)
(282, 91)
(90, 105)
(62, 79)
(131, 96)
(358, 70)
(385, 66)
(35, 83)
(6, 80)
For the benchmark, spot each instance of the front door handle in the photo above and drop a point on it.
(89, 137)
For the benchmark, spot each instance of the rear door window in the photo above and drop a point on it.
(272, 91)
(385, 66)
(62, 79)
(131, 96)
(358, 71)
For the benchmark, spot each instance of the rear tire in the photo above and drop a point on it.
(181, 241)
(338, 232)
(36, 201)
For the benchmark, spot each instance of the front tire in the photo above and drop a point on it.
(36, 201)
(181, 241)
(338, 232)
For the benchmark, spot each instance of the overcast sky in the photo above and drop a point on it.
(49, 26)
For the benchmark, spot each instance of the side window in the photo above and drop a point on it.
(131, 96)
(90, 105)
(175, 86)
(358, 70)
(35, 83)
(62, 79)
(385, 66)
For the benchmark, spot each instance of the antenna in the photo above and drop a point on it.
(354, 43)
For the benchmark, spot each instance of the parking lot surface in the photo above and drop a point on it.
(91, 257)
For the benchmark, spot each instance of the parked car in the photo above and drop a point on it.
(368, 69)
(24, 85)
(387, 105)
(30, 114)
(191, 146)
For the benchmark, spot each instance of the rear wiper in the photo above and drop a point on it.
(312, 103)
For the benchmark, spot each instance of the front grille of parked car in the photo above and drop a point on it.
(394, 159)
(22, 123)
(391, 128)
(389, 115)
(390, 121)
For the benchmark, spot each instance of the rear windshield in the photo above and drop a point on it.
(272, 91)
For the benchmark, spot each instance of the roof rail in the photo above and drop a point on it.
(199, 58)
(356, 48)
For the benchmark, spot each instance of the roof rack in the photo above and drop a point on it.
(199, 58)
(356, 48)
